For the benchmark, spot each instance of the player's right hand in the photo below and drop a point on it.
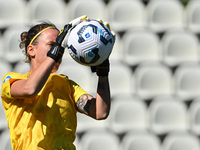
(57, 50)
(72, 24)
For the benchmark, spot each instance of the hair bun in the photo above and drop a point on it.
(23, 39)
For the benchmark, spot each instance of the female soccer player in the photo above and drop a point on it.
(41, 105)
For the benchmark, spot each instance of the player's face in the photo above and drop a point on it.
(46, 40)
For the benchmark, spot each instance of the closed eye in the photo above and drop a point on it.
(51, 43)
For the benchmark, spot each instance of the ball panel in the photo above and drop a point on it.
(90, 43)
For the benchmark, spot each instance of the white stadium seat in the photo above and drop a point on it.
(163, 15)
(11, 40)
(94, 9)
(117, 50)
(194, 113)
(22, 67)
(12, 12)
(125, 14)
(179, 46)
(120, 78)
(99, 140)
(140, 45)
(5, 141)
(1, 46)
(45, 10)
(85, 123)
(166, 114)
(5, 67)
(3, 119)
(181, 141)
(140, 140)
(78, 73)
(187, 81)
(127, 113)
(153, 79)
(193, 15)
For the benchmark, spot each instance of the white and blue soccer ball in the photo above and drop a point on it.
(90, 43)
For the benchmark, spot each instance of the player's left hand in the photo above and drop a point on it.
(102, 69)
(107, 25)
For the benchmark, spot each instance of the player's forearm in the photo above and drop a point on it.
(103, 98)
(39, 76)
(35, 82)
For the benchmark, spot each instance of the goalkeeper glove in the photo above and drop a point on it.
(102, 69)
(57, 50)
(73, 23)
(107, 25)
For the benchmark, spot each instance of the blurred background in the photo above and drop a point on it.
(154, 77)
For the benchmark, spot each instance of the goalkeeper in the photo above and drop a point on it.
(41, 105)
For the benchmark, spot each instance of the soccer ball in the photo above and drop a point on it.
(90, 43)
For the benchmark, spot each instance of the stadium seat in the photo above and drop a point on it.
(179, 46)
(117, 50)
(140, 45)
(140, 140)
(5, 140)
(153, 79)
(194, 112)
(45, 10)
(120, 78)
(5, 67)
(21, 67)
(12, 12)
(127, 113)
(166, 114)
(94, 9)
(76, 142)
(85, 123)
(78, 73)
(1, 46)
(187, 81)
(11, 40)
(181, 141)
(163, 15)
(193, 15)
(99, 140)
(125, 14)
(3, 120)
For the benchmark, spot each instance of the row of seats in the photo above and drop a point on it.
(162, 116)
(137, 140)
(175, 47)
(122, 15)
(165, 114)
(135, 46)
(148, 80)
(99, 139)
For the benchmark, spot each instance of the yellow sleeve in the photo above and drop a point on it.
(7, 80)
(77, 91)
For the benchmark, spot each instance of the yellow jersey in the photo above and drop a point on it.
(47, 121)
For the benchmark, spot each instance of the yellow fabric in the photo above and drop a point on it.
(47, 121)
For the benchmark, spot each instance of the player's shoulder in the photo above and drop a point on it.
(12, 75)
